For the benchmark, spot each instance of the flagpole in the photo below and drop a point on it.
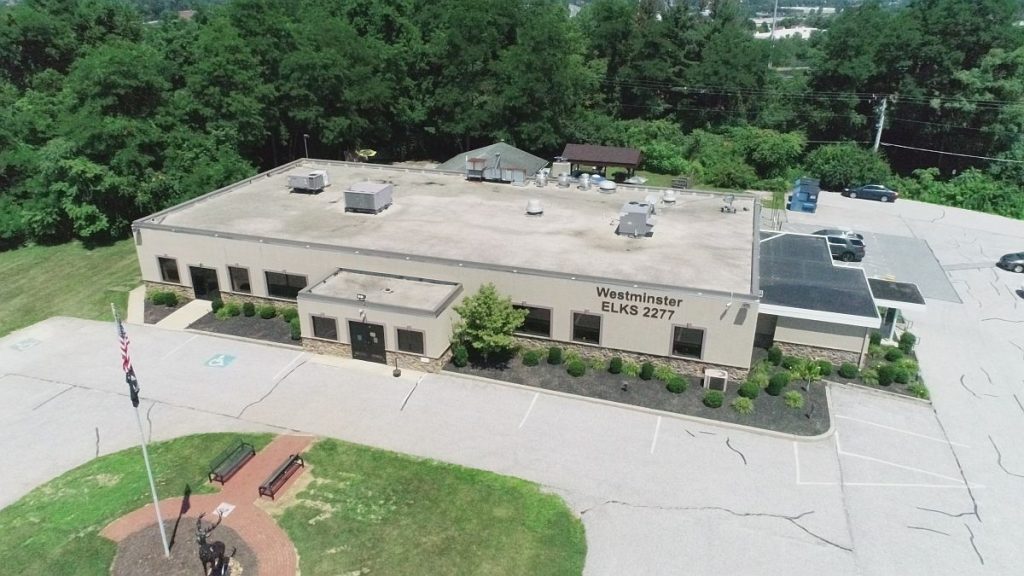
(145, 457)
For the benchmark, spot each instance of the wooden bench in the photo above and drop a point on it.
(232, 462)
(278, 477)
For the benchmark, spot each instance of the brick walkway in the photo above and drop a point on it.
(271, 545)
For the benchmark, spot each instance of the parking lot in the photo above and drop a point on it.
(901, 487)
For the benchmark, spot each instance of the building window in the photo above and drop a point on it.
(169, 270)
(687, 342)
(586, 328)
(239, 279)
(284, 285)
(537, 323)
(326, 328)
(410, 341)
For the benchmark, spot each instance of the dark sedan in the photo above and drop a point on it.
(872, 192)
(1014, 262)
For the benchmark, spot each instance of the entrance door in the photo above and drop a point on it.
(204, 283)
(367, 342)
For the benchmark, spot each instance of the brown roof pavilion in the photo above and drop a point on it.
(601, 155)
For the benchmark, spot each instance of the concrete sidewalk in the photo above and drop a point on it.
(188, 314)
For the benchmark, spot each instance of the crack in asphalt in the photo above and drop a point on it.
(692, 435)
(999, 459)
(973, 393)
(272, 388)
(40, 405)
(1018, 347)
(928, 529)
(97, 441)
(940, 217)
(1019, 405)
(1003, 320)
(973, 545)
(987, 375)
(959, 466)
(791, 519)
(727, 443)
(944, 513)
(149, 418)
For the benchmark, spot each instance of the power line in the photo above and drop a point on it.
(953, 153)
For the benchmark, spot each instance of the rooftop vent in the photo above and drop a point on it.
(533, 208)
(636, 219)
(669, 197)
(368, 197)
(607, 186)
(584, 181)
(314, 181)
(563, 180)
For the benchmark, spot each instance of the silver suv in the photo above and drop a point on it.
(844, 246)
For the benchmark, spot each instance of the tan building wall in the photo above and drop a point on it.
(821, 334)
(728, 322)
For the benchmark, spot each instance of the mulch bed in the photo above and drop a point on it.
(272, 329)
(142, 552)
(770, 412)
(157, 312)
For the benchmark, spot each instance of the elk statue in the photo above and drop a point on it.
(211, 554)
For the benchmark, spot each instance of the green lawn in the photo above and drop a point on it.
(65, 280)
(362, 509)
(55, 528)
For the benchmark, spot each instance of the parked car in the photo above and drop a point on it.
(845, 248)
(1013, 262)
(839, 232)
(872, 192)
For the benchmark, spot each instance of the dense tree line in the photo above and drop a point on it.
(104, 117)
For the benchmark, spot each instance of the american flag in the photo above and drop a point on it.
(126, 362)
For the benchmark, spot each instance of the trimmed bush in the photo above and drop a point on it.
(907, 342)
(268, 311)
(554, 355)
(743, 405)
(571, 355)
(216, 304)
(713, 398)
(875, 351)
(908, 364)
(157, 297)
(893, 354)
(676, 384)
(875, 338)
(222, 314)
(903, 376)
(646, 371)
(288, 313)
(460, 355)
(775, 355)
(791, 362)
(777, 382)
(296, 328)
(531, 357)
(848, 370)
(249, 309)
(615, 365)
(663, 372)
(631, 369)
(575, 368)
(886, 374)
(233, 308)
(794, 399)
(758, 378)
(749, 390)
(869, 376)
(824, 367)
(919, 390)
(596, 364)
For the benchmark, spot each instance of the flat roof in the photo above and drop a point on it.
(797, 273)
(386, 290)
(442, 216)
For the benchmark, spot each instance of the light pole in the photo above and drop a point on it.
(305, 144)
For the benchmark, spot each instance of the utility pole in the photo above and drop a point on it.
(881, 124)
(771, 50)
(305, 144)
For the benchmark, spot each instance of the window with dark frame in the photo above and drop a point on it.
(586, 328)
(410, 341)
(284, 285)
(537, 322)
(688, 342)
(169, 270)
(239, 279)
(326, 328)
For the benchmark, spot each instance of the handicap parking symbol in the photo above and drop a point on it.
(220, 361)
(25, 344)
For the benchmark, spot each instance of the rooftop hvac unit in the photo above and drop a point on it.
(715, 379)
(368, 197)
(636, 219)
(534, 208)
(314, 181)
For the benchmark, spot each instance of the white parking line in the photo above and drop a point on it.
(530, 409)
(907, 432)
(654, 441)
(179, 347)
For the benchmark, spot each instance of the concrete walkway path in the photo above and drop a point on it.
(185, 316)
(136, 313)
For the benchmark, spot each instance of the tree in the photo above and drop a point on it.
(843, 165)
(809, 372)
(487, 322)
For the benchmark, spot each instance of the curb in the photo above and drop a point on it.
(233, 337)
(879, 391)
(654, 411)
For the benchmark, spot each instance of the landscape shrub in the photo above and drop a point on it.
(794, 399)
(233, 308)
(646, 371)
(908, 364)
(630, 368)
(268, 311)
(775, 355)
(902, 375)
(758, 378)
(158, 297)
(886, 374)
(575, 368)
(296, 328)
(554, 355)
(777, 382)
(907, 342)
(216, 304)
(222, 314)
(749, 390)
(791, 362)
(839, 166)
(824, 367)
(677, 384)
(663, 372)
(893, 354)
(570, 355)
(460, 355)
(531, 357)
(869, 376)
(875, 351)
(875, 338)
(713, 398)
(596, 363)
(919, 390)
(848, 370)
(615, 365)
(249, 309)
(743, 405)
(288, 313)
